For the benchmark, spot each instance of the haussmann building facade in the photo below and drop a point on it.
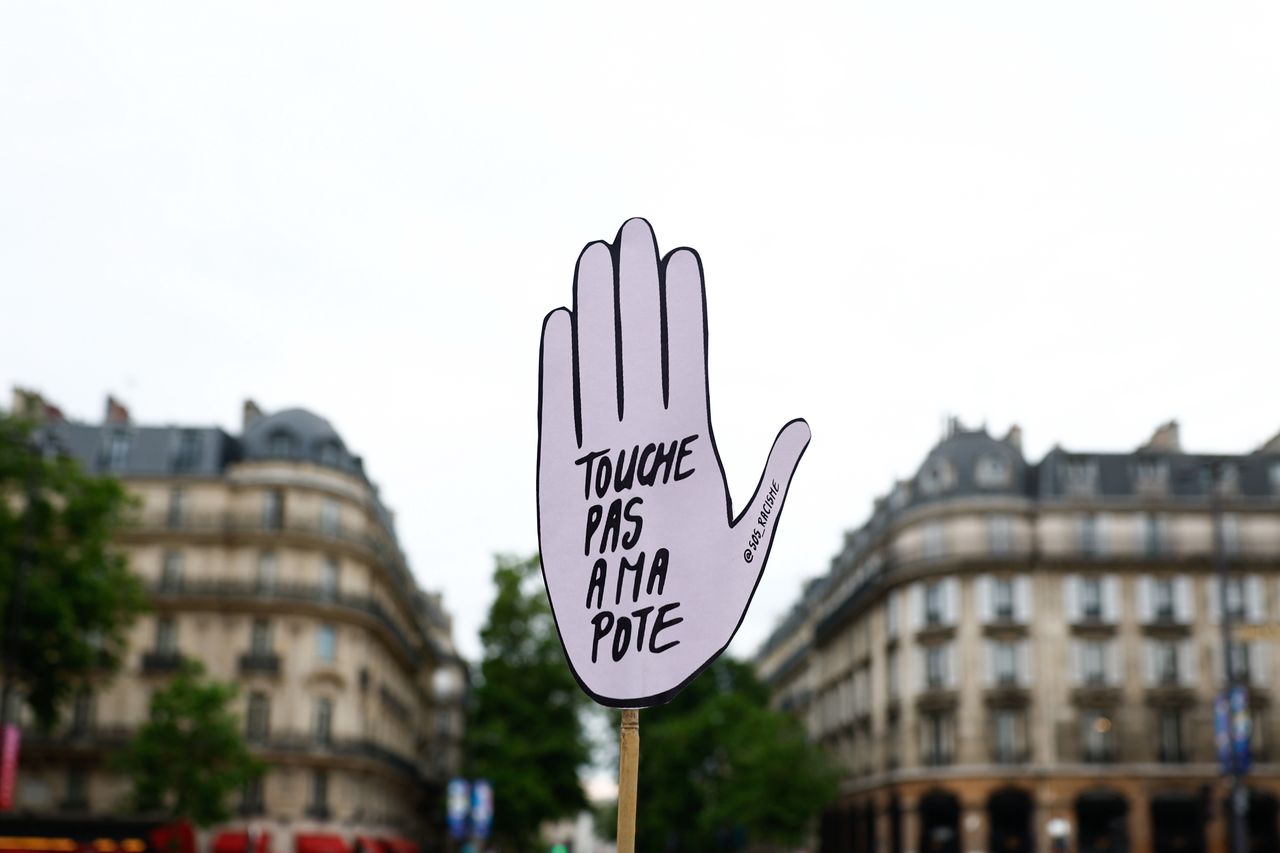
(1007, 648)
(269, 557)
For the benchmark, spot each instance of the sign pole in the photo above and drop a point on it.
(628, 765)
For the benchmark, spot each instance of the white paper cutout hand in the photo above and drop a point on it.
(648, 573)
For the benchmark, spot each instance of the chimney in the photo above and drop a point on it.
(1165, 439)
(250, 414)
(117, 413)
(1272, 445)
(1013, 437)
(31, 404)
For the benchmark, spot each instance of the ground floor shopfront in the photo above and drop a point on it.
(1100, 814)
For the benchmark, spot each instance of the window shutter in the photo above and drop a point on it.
(986, 608)
(1145, 610)
(1112, 663)
(1215, 600)
(1255, 600)
(1021, 658)
(1153, 663)
(1111, 598)
(1183, 603)
(1260, 658)
(1071, 597)
(892, 615)
(1022, 599)
(915, 605)
(1218, 654)
(949, 663)
(951, 600)
(990, 674)
(1077, 662)
(921, 679)
(1188, 663)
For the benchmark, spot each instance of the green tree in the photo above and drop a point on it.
(719, 768)
(190, 755)
(67, 596)
(524, 727)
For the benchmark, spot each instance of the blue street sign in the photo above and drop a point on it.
(1241, 727)
(481, 808)
(458, 802)
(1222, 732)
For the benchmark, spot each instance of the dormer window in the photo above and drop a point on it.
(938, 476)
(1151, 477)
(117, 451)
(282, 444)
(1275, 478)
(992, 472)
(329, 454)
(1080, 477)
(900, 496)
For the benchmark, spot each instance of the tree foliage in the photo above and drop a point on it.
(190, 755)
(79, 596)
(524, 729)
(719, 768)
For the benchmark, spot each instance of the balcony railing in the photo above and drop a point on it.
(157, 663)
(306, 593)
(263, 663)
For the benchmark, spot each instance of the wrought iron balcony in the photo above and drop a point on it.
(157, 663)
(263, 663)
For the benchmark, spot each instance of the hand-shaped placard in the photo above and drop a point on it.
(648, 571)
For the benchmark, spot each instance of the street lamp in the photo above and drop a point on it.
(1059, 831)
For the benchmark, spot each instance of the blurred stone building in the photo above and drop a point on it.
(269, 557)
(1003, 644)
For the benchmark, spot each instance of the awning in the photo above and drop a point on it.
(263, 844)
(319, 843)
(400, 845)
(231, 842)
(368, 844)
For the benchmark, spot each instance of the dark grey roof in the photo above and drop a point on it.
(298, 434)
(123, 448)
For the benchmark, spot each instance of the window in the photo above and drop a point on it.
(991, 472)
(187, 456)
(1008, 741)
(251, 800)
(323, 725)
(892, 675)
(891, 614)
(1002, 599)
(1230, 532)
(1093, 662)
(937, 476)
(171, 571)
(1154, 535)
(1166, 654)
(1236, 605)
(1238, 656)
(1097, 736)
(1080, 478)
(329, 454)
(258, 718)
(1091, 597)
(1000, 533)
(77, 787)
(326, 643)
(282, 445)
(260, 637)
(935, 667)
(1151, 477)
(1091, 535)
(1169, 733)
(266, 574)
(117, 451)
(177, 507)
(82, 712)
(1005, 663)
(934, 604)
(166, 636)
(1164, 603)
(937, 732)
(935, 544)
(319, 794)
(329, 575)
(273, 509)
(329, 516)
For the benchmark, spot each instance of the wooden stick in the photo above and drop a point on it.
(628, 765)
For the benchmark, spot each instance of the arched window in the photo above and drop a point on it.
(991, 472)
(282, 444)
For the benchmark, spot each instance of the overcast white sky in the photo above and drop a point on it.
(1065, 215)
